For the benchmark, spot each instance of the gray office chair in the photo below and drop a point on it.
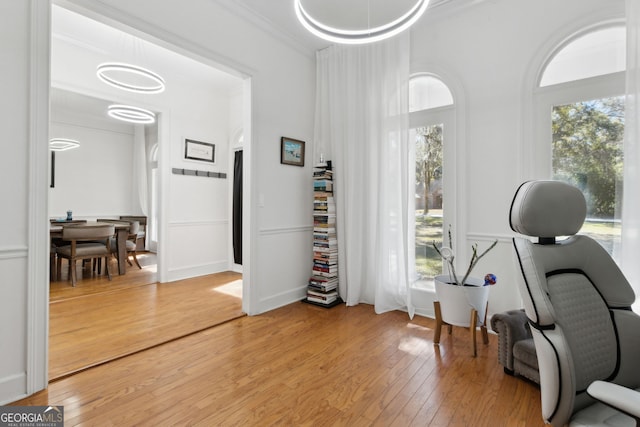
(578, 302)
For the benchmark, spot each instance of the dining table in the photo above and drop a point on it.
(122, 232)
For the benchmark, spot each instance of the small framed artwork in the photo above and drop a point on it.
(291, 151)
(197, 150)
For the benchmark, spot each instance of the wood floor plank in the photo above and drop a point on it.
(303, 365)
(95, 325)
(89, 283)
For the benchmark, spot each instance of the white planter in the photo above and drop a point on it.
(456, 301)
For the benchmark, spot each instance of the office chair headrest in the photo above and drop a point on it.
(547, 209)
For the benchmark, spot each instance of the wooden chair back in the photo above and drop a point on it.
(88, 232)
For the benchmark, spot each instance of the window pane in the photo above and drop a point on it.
(597, 53)
(428, 92)
(153, 224)
(588, 153)
(428, 199)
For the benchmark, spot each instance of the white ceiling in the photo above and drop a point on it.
(80, 44)
(75, 32)
(279, 15)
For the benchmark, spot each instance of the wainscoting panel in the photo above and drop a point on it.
(13, 334)
(285, 258)
(197, 248)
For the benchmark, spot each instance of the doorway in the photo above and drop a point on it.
(168, 227)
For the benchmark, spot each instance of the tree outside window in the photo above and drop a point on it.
(428, 195)
(588, 153)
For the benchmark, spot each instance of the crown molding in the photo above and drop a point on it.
(312, 44)
(102, 11)
(265, 24)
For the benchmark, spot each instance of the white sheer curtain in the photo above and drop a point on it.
(139, 181)
(631, 198)
(362, 127)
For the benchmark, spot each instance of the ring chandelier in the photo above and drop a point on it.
(112, 73)
(131, 114)
(62, 144)
(369, 35)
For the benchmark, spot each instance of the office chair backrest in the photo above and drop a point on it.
(576, 298)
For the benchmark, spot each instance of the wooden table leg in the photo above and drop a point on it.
(121, 242)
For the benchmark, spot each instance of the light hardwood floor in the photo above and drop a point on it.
(302, 365)
(90, 284)
(101, 320)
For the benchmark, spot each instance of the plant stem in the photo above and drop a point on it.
(450, 260)
(475, 258)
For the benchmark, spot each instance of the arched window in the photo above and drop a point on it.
(427, 91)
(431, 107)
(580, 124)
(596, 53)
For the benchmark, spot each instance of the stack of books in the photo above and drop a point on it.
(322, 288)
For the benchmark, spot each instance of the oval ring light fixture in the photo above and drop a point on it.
(62, 144)
(131, 114)
(130, 77)
(369, 35)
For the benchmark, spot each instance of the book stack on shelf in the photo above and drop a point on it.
(322, 288)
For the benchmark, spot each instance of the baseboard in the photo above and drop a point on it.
(282, 299)
(197, 270)
(425, 312)
(13, 388)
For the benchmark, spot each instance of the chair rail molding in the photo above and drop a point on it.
(189, 223)
(286, 230)
(14, 252)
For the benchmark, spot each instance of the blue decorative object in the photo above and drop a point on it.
(490, 279)
(69, 215)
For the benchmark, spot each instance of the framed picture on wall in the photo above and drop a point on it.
(198, 150)
(291, 151)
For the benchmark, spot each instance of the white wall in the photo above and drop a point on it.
(282, 104)
(95, 179)
(195, 105)
(490, 54)
(23, 177)
(14, 104)
(488, 49)
(197, 220)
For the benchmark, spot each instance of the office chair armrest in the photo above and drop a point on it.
(621, 398)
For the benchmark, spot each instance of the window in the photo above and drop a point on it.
(428, 198)
(427, 91)
(596, 53)
(431, 106)
(152, 228)
(581, 110)
(587, 151)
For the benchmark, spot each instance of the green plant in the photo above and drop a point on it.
(447, 254)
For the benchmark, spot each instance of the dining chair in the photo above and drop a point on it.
(52, 262)
(86, 242)
(131, 243)
(142, 231)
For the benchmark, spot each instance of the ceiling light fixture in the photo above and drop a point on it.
(368, 35)
(62, 144)
(131, 114)
(130, 77)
